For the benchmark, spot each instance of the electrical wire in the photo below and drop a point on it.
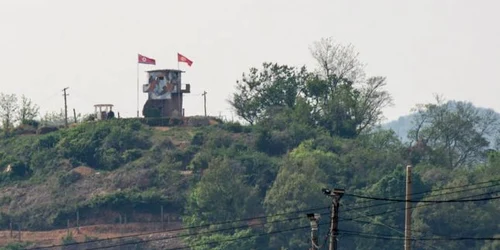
(396, 210)
(390, 237)
(202, 244)
(497, 181)
(425, 201)
(275, 215)
(433, 195)
(194, 227)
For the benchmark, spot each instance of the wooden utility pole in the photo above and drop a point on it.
(74, 115)
(65, 107)
(336, 194)
(205, 101)
(162, 223)
(78, 221)
(314, 218)
(408, 209)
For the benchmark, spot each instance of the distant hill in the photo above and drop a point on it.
(403, 124)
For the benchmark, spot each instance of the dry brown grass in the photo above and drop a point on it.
(106, 231)
(84, 171)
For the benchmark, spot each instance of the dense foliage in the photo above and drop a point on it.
(309, 130)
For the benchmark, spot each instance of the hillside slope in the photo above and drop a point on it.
(124, 172)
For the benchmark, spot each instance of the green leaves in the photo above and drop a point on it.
(456, 132)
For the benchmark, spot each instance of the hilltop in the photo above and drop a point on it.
(122, 170)
(231, 186)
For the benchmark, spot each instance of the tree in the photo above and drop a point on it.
(273, 86)
(337, 97)
(341, 107)
(297, 187)
(53, 119)
(28, 111)
(8, 108)
(455, 131)
(221, 195)
(337, 61)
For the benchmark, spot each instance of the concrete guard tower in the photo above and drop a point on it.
(165, 93)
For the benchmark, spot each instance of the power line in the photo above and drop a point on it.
(192, 227)
(207, 243)
(433, 195)
(425, 201)
(275, 215)
(396, 210)
(390, 237)
(497, 181)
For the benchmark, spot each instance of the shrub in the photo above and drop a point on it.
(131, 155)
(234, 127)
(198, 139)
(69, 178)
(68, 239)
(33, 123)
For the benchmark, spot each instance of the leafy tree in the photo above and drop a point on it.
(260, 90)
(28, 111)
(53, 119)
(456, 132)
(328, 97)
(8, 108)
(345, 110)
(297, 187)
(221, 195)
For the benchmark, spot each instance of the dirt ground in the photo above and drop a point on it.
(85, 233)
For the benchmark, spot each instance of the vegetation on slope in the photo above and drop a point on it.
(309, 130)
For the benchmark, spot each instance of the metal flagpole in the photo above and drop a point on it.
(137, 89)
(179, 87)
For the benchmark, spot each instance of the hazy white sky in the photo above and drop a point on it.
(422, 47)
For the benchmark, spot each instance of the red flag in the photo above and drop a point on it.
(181, 58)
(146, 60)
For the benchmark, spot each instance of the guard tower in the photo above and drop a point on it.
(103, 111)
(164, 88)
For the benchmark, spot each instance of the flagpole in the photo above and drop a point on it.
(179, 94)
(137, 89)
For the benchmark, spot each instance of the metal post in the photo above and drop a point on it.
(408, 209)
(205, 101)
(74, 115)
(65, 107)
(314, 218)
(162, 224)
(78, 221)
(336, 194)
(137, 90)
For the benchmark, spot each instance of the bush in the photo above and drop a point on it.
(198, 139)
(131, 155)
(162, 121)
(69, 178)
(33, 123)
(234, 127)
(45, 130)
(68, 239)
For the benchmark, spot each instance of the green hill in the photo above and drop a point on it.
(250, 187)
(224, 172)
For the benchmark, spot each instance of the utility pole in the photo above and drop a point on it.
(314, 218)
(74, 115)
(336, 194)
(408, 209)
(205, 101)
(65, 107)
